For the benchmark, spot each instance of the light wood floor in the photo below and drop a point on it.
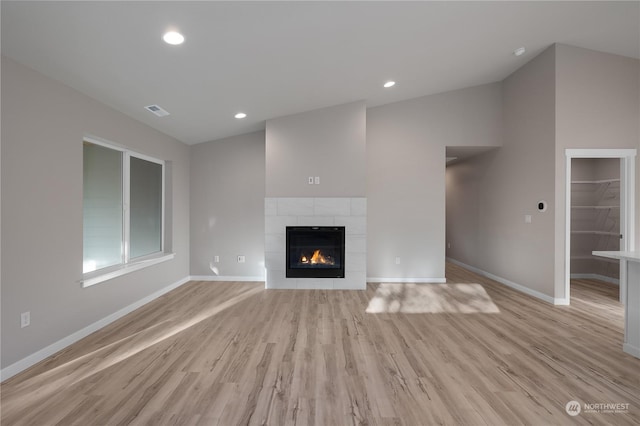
(233, 353)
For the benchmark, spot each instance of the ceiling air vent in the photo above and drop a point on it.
(157, 110)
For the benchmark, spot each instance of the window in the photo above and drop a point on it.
(123, 207)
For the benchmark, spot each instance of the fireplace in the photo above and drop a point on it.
(280, 213)
(315, 252)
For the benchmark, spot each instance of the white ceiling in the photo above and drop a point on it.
(271, 59)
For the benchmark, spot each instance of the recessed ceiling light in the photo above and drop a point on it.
(240, 115)
(519, 51)
(389, 84)
(173, 37)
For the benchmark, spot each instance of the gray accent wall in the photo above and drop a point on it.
(597, 106)
(406, 144)
(328, 143)
(227, 206)
(43, 125)
(489, 195)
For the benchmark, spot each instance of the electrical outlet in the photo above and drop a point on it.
(310, 180)
(527, 218)
(241, 259)
(317, 180)
(25, 319)
(448, 245)
(216, 259)
(397, 260)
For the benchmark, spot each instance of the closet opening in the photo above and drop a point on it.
(600, 216)
(595, 225)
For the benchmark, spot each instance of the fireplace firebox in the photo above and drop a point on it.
(315, 252)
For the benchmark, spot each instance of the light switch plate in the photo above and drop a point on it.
(25, 319)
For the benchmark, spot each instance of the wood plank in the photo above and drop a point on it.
(234, 353)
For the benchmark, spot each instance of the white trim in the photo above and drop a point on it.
(105, 143)
(629, 212)
(567, 225)
(145, 157)
(126, 204)
(511, 284)
(598, 277)
(407, 280)
(55, 347)
(226, 278)
(595, 181)
(627, 206)
(119, 147)
(631, 350)
(119, 270)
(163, 206)
(600, 153)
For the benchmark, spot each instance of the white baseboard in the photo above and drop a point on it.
(407, 280)
(46, 352)
(225, 278)
(369, 279)
(515, 286)
(596, 277)
(631, 350)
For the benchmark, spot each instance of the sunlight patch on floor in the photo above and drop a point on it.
(431, 299)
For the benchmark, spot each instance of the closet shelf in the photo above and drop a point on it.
(596, 233)
(595, 216)
(595, 181)
(595, 207)
(592, 257)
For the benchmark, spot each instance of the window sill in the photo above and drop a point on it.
(106, 274)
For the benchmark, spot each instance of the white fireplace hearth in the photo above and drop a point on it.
(348, 212)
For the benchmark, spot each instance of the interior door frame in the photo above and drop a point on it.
(627, 206)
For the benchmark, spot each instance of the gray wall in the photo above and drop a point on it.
(227, 206)
(405, 189)
(489, 196)
(464, 192)
(329, 143)
(567, 97)
(406, 144)
(43, 125)
(597, 106)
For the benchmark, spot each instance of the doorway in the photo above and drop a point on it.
(590, 217)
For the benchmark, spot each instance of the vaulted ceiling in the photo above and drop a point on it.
(270, 59)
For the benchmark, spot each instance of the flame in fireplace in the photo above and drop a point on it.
(317, 259)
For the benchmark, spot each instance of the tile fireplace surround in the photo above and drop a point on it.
(348, 212)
